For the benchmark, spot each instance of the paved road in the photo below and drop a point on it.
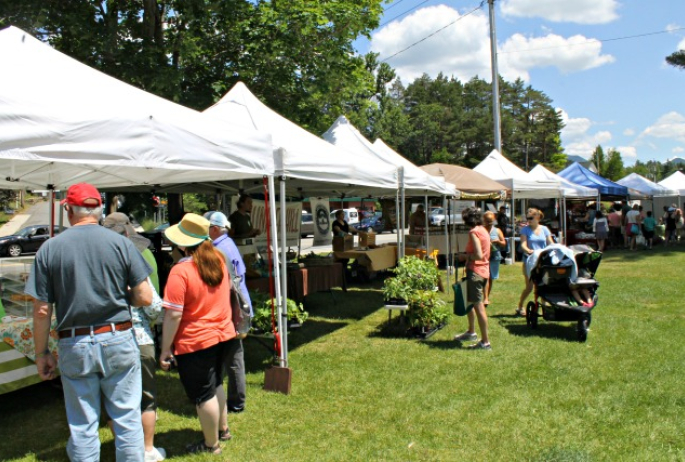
(38, 214)
(306, 244)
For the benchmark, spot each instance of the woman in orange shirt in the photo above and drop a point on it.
(477, 256)
(198, 324)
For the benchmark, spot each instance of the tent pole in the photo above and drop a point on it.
(277, 269)
(425, 232)
(402, 199)
(512, 212)
(397, 218)
(448, 242)
(52, 212)
(284, 277)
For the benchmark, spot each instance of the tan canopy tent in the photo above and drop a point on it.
(473, 185)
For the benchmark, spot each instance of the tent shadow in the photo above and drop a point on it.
(565, 330)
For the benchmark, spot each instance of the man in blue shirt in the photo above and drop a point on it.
(235, 359)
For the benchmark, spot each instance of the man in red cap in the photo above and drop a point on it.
(90, 276)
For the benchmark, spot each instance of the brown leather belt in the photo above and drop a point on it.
(67, 333)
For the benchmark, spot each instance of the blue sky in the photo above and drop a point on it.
(613, 90)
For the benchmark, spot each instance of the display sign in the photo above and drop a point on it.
(321, 211)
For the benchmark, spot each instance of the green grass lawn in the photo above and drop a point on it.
(360, 394)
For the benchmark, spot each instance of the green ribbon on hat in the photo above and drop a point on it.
(188, 233)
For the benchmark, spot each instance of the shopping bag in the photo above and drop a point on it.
(461, 304)
(634, 230)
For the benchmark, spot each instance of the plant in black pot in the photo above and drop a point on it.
(261, 305)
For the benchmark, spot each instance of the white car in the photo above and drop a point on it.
(437, 217)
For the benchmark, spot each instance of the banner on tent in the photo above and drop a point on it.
(293, 221)
(322, 220)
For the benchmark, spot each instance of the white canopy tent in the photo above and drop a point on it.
(520, 184)
(657, 196)
(675, 181)
(311, 165)
(63, 122)
(568, 190)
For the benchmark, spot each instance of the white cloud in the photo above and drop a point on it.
(629, 132)
(627, 152)
(672, 27)
(463, 48)
(678, 150)
(576, 137)
(519, 54)
(681, 45)
(578, 11)
(670, 125)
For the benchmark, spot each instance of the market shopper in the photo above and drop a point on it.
(90, 275)
(143, 317)
(477, 256)
(534, 237)
(198, 325)
(633, 223)
(497, 243)
(600, 227)
(417, 219)
(614, 219)
(235, 357)
(648, 228)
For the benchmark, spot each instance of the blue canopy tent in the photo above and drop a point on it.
(608, 190)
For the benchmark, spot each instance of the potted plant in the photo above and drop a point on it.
(261, 306)
(296, 314)
(416, 283)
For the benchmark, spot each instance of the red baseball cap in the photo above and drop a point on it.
(83, 195)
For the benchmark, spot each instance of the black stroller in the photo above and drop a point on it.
(551, 278)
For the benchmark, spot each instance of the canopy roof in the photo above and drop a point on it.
(645, 186)
(344, 135)
(675, 181)
(312, 165)
(578, 174)
(568, 189)
(497, 167)
(64, 122)
(473, 185)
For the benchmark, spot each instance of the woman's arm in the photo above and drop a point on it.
(172, 319)
(477, 249)
(550, 238)
(524, 244)
(501, 241)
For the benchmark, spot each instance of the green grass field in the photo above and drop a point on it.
(361, 394)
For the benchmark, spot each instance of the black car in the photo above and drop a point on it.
(27, 240)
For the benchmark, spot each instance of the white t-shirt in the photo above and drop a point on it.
(631, 217)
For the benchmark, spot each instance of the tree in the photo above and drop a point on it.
(677, 59)
(614, 166)
(598, 159)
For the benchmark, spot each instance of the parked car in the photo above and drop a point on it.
(374, 222)
(26, 240)
(438, 217)
(307, 226)
(351, 216)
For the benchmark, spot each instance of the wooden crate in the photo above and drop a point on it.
(366, 239)
(342, 244)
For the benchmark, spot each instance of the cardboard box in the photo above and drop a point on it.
(341, 244)
(366, 239)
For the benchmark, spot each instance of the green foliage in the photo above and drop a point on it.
(614, 167)
(261, 306)
(416, 282)
(677, 59)
(599, 160)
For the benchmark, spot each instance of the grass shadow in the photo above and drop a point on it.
(564, 330)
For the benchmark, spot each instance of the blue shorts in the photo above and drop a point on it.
(494, 269)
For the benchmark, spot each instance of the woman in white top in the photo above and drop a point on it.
(633, 218)
(601, 229)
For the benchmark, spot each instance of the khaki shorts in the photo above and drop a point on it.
(475, 286)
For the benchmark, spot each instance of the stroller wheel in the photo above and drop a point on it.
(532, 315)
(583, 324)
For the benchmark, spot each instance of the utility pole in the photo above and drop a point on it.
(495, 78)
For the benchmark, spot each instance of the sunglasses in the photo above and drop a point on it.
(530, 218)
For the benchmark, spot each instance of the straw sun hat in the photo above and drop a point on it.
(191, 231)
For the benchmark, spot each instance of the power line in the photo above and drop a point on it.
(434, 33)
(394, 5)
(588, 41)
(402, 14)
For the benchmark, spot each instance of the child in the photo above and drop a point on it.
(585, 300)
(648, 227)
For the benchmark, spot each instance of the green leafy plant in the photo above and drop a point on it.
(261, 305)
(426, 309)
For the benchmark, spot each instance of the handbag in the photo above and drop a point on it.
(635, 229)
(461, 304)
(242, 320)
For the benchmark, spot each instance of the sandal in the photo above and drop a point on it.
(519, 312)
(225, 435)
(200, 446)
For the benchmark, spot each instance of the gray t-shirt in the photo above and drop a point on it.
(86, 271)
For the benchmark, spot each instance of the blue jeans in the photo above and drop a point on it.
(106, 365)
